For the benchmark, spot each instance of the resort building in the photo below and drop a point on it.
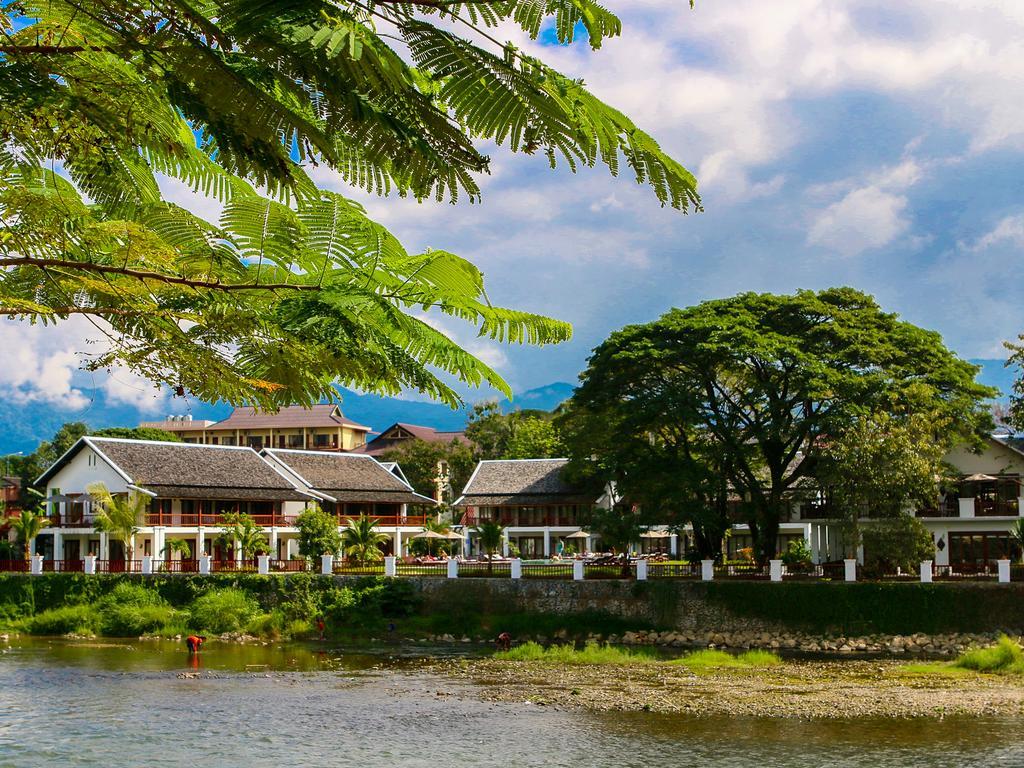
(538, 508)
(191, 487)
(398, 434)
(319, 428)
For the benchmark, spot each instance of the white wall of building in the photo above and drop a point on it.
(85, 468)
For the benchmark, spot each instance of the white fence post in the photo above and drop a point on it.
(517, 568)
(707, 570)
(641, 570)
(850, 569)
(926, 571)
(147, 565)
(263, 564)
(390, 567)
(326, 565)
(453, 569)
(204, 565)
(37, 565)
(1004, 571)
(577, 570)
(89, 566)
(775, 570)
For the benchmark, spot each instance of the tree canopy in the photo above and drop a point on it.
(419, 459)
(750, 389)
(522, 434)
(292, 288)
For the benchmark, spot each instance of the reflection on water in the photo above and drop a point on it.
(106, 703)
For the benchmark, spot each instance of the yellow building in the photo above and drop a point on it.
(320, 428)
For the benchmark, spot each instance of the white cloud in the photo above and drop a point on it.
(865, 218)
(1008, 230)
(39, 364)
(123, 387)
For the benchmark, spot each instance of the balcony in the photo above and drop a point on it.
(947, 507)
(995, 507)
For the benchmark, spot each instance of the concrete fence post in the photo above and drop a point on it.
(775, 570)
(453, 569)
(1004, 571)
(850, 569)
(390, 565)
(37, 565)
(263, 564)
(517, 568)
(707, 570)
(641, 570)
(577, 570)
(326, 565)
(926, 571)
(204, 565)
(89, 566)
(147, 565)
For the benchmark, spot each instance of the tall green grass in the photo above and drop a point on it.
(596, 654)
(1005, 657)
(710, 659)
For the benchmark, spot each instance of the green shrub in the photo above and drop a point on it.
(1004, 656)
(591, 653)
(223, 610)
(81, 619)
(797, 553)
(714, 659)
(134, 620)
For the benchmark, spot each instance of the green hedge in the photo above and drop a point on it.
(866, 608)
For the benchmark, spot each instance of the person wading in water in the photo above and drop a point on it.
(194, 642)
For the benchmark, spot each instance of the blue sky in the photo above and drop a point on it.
(835, 141)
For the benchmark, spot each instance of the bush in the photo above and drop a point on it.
(1004, 656)
(898, 542)
(223, 610)
(81, 619)
(797, 554)
(129, 610)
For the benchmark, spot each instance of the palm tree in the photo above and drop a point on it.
(491, 534)
(243, 532)
(27, 526)
(180, 546)
(1017, 536)
(361, 540)
(119, 516)
(435, 526)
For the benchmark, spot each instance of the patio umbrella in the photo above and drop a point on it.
(431, 535)
(578, 535)
(979, 478)
(655, 535)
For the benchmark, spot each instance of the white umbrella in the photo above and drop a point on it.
(578, 535)
(979, 478)
(655, 535)
(430, 535)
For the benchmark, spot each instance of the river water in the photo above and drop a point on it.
(106, 703)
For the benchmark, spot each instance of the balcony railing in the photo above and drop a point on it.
(948, 507)
(218, 520)
(995, 507)
(386, 521)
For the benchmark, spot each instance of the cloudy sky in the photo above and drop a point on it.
(835, 142)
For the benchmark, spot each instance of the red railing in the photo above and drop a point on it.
(118, 566)
(289, 566)
(214, 520)
(386, 520)
(232, 566)
(532, 521)
(14, 566)
(177, 566)
(348, 568)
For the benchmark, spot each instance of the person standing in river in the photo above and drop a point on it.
(194, 642)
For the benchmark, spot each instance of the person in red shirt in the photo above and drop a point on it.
(194, 642)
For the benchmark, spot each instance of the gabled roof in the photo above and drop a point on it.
(521, 482)
(186, 470)
(346, 477)
(400, 431)
(324, 415)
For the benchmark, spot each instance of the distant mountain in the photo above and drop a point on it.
(24, 425)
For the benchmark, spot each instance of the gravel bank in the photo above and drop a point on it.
(794, 689)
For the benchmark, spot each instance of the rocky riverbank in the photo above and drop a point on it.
(794, 689)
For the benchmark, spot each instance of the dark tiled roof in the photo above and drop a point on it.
(529, 481)
(398, 432)
(347, 477)
(233, 493)
(191, 466)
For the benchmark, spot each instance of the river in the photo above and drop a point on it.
(104, 703)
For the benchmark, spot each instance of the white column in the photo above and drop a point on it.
(1020, 506)
(547, 542)
(273, 543)
(326, 565)
(159, 541)
(390, 568)
(775, 570)
(673, 544)
(641, 570)
(967, 507)
(263, 564)
(104, 546)
(204, 564)
(504, 543)
(707, 570)
(289, 548)
(577, 570)
(238, 554)
(517, 569)
(147, 565)
(37, 565)
(850, 569)
(814, 532)
(926, 571)
(1004, 571)
(398, 542)
(453, 569)
(200, 542)
(58, 549)
(90, 564)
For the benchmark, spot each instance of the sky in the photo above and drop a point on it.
(836, 142)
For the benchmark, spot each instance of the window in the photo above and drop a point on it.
(227, 440)
(256, 443)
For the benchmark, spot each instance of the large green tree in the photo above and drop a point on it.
(522, 434)
(419, 461)
(292, 288)
(765, 380)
